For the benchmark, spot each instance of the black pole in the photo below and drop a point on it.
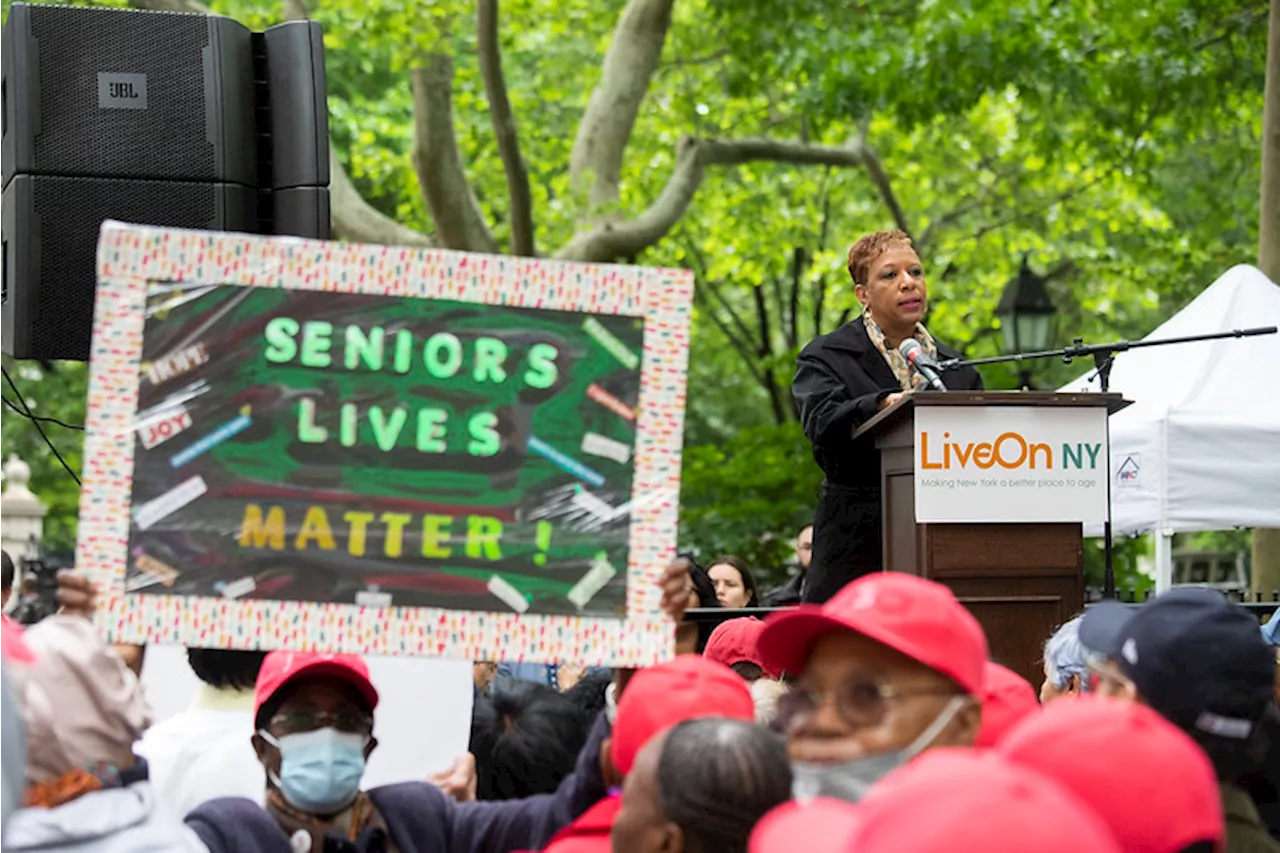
(1103, 361)
(1079, 349)
(1103, 356)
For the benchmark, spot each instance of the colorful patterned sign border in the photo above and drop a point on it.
(131, 256)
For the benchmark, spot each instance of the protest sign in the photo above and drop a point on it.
(382, 450)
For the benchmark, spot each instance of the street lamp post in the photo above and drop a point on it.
(1026, 316)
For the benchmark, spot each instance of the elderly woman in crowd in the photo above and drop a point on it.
(85, 789)
(891, 666)
(1066, 664)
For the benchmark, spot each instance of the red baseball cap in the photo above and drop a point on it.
(916, 617)
(737, 641)
(818, 825)
(688, 687)
(1157, 790)
(968, 801)
(281, 667)
(1006, 699)
(13, 646)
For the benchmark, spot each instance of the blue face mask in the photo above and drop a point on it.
(320, 771)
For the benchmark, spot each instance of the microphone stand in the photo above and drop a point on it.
(1103, 356)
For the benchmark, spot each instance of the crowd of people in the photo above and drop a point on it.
(873, 722)
(863, 714)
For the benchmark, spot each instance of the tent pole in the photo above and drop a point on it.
(1104, 361)
(1164, 560)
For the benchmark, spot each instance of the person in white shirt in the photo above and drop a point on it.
(206, 751)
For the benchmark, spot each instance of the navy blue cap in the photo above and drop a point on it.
(1101, 625)
(1198, 659)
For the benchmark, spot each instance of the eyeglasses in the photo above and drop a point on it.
(294, 722)
(860, 702)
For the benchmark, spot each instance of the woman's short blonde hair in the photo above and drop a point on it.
(863, 253)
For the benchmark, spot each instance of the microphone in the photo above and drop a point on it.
(924, 363)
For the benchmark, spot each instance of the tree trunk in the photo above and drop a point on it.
(1266, 542)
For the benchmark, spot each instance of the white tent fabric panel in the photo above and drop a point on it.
(1199, 449)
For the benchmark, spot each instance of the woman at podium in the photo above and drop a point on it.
(842, 380)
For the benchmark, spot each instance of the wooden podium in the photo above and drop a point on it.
(1021, 579)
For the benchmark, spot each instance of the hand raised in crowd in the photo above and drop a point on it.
(459, 781)
(75, 594)
(675, 588)
(568, 675)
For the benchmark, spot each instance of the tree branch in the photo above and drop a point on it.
(356, 220)
(350, 216)
(611, 112)
(504, 128)
(744, 352)
(454, 208)
(879, 177)
(779, 305)
(609, 241)
(799, 262)
(765, 354)
(714, 289)
(819, 282)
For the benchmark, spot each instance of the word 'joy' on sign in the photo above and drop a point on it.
(320, 444)
(1014, 464)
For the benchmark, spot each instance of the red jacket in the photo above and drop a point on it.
(590, 832)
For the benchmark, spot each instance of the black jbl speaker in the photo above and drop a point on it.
(155, 118)
(293, 121)
(51, 245)
(113, 93)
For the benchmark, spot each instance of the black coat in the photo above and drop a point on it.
(840, 380)
(787, 595)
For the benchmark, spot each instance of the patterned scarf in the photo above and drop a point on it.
(907, 377)
(71, 785)
(361, 813)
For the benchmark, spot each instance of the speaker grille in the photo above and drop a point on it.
(169, 139)
(71, 210)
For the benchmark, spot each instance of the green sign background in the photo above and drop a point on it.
(548, 540)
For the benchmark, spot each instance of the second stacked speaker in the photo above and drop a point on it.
(178, 120)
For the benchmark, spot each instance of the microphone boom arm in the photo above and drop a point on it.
(1102, 354)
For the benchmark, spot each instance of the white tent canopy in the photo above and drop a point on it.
(1199, 449)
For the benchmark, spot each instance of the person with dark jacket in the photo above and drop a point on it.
(842, 380)
(314, 719)
(791, 592)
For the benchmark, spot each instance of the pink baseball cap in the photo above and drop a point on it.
(279, 668)
(969, 801)
(688, 687)
(914, 616)
(1157, 790)
(1006, 699)
(818, 825)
